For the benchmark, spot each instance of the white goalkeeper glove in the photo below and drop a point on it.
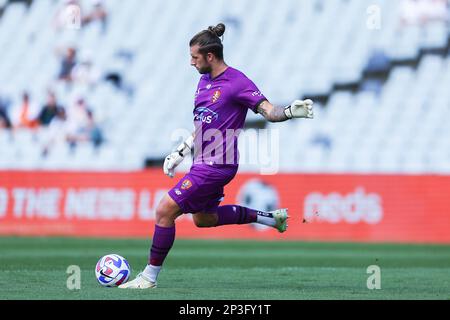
(176, 157)
(300, 109)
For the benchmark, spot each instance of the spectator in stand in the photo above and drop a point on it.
(68, 62)
(68, 16)
(94, 133)
(437, 10)
(5, 122)
(421, 12)
(56, 132)
(49, 110)
(82, 126)
(85, 73)
(410, 12)
(97, 14)
(25, 114)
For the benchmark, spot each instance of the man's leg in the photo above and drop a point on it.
(163, 238)
(234, 214)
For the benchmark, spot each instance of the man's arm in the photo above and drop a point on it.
(271, 112)
(297, 109)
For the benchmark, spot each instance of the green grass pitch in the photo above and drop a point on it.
(35, 268)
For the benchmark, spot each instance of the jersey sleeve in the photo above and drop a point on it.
(248, 95)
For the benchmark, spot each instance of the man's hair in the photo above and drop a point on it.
(209, 41)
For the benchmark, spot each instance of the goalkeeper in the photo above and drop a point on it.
(222, 99)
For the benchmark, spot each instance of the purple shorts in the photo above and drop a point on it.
(201, 189)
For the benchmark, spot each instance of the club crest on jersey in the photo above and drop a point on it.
(216, 96)
(186, 184)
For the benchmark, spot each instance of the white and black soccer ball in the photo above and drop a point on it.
(112, 270)
(259, 195)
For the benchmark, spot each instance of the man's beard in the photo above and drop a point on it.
(204, 70)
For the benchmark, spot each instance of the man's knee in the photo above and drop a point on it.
(167, 211)
(202, 224)
(203, 220)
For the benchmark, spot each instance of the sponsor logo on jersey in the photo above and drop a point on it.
(205, 115)
(186, 184)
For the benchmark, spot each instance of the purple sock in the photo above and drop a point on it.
(235, 215)
(163, 239)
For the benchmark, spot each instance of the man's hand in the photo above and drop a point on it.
(176, 157)
(300, 109)
(171, 162)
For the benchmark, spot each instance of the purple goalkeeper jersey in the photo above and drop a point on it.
(221, 106)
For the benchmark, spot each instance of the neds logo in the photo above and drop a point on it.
(354, 207)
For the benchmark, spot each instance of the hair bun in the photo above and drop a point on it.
(218, 30)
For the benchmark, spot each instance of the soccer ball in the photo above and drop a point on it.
(112, 270)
